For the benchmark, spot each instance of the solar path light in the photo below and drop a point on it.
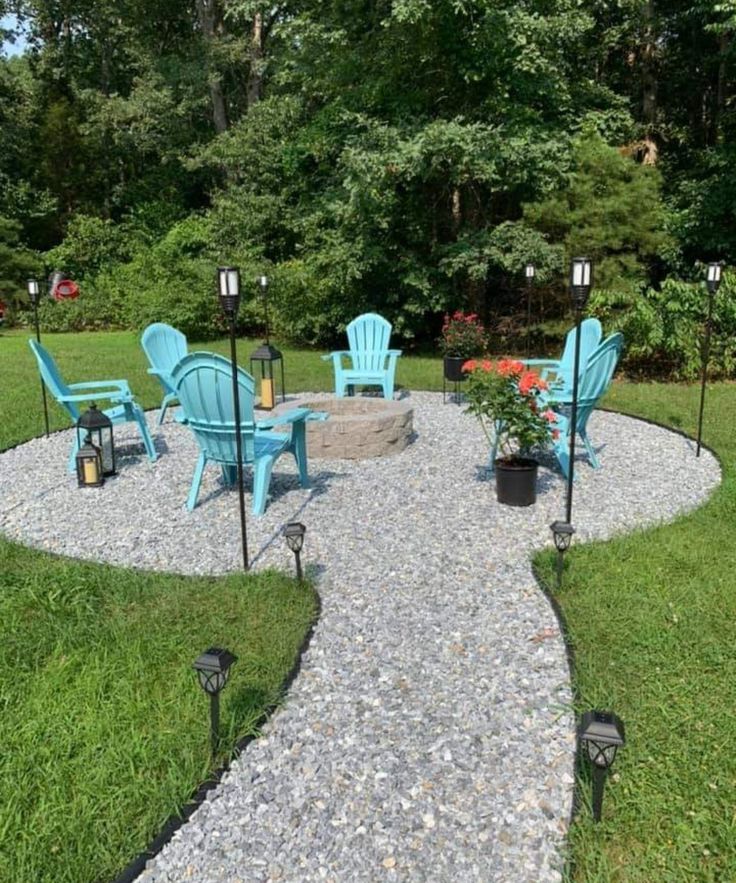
(228, 279)
(213, 671)
(712, 281)
(601, 734)
(294, 533)
(581, 281)
(562, 534)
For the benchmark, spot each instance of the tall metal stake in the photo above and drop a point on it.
(34, 293)
(528, 317)
(705, 357)
(238, 442)
(573, 419)
(214, 723)
(599, 783)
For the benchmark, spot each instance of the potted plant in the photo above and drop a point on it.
(505, 397)
(463, 337)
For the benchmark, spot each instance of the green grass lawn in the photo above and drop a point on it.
(651, 618)
(104, 729)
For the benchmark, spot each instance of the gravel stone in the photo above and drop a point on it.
(429, 734)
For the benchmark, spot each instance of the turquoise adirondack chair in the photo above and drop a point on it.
(203, 383)
(558, 372)
(164, 346)
(373, 363)
(126, 409)
(594, 381)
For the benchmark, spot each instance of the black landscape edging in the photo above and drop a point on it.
(174, 823)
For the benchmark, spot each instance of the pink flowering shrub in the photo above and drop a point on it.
(463, 335)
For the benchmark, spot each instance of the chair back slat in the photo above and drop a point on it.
(591, 333)
(598, 374)
(52, 378)
(368, 339)
(204, 385)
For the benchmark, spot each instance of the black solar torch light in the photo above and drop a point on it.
(213, 670)
(34, 295)
(228, 288)
(581, 281)
(712, 282)
(562, 533)
(530, 272)
(601, 734)
(294, 533)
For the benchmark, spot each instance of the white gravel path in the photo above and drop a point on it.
(429, 735)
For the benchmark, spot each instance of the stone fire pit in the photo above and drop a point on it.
(357, 428)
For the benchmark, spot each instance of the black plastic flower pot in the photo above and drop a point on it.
(454, 368)
(516, 481)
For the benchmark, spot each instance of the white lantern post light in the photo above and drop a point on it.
(712, 282)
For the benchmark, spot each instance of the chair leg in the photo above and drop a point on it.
(229, 474)
(71, 462)
(594, 462)
(388, 388)
(298, 448)
(562, 452)
(261, 481)
(196, 482)
(168, 399)
(140, 419)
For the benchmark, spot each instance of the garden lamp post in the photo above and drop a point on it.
(529, 273)
(34, 294)
(712, 281)
(601, 733)
(213, 670)
(562, 533)
(294, 533)
(581, 281)
(229, 293)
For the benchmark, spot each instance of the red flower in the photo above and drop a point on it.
(469, 366)
(555, 434)
(550, 416)
(510, 367)
(487, 365)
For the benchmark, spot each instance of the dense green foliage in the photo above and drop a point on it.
(407, 157)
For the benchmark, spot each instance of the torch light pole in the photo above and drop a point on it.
(229, 292)
(712, 281)
(581, 280)
(33, 296)
(529, 272)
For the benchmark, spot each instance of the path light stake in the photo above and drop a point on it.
(601, 733)
(581, 281)
(213, 670)
(229, 293)
(294, 532)
(712, 281)
(529, 273)
(562, 534)
(33, 296)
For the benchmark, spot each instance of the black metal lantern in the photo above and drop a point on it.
(294, 533)
(89, 465)
(213, 670)
(530, 272)
(581, 281)
(229, 290)
(267, 356)
(601, 734)
(97, 426)
(562, 533)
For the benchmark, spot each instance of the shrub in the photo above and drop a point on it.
(463, 335)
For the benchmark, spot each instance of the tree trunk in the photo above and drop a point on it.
(255, 76)
(211, 23)
(649, 72)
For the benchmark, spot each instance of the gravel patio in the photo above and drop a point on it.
(429, 734)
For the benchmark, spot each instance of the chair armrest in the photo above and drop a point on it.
(394, 352)
(113, 395)
(293, 416)
(122, 385)
(335, 356)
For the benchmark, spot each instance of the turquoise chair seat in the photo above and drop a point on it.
(125, 410)
(203, 384)
(164, 347)
(372, 363)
